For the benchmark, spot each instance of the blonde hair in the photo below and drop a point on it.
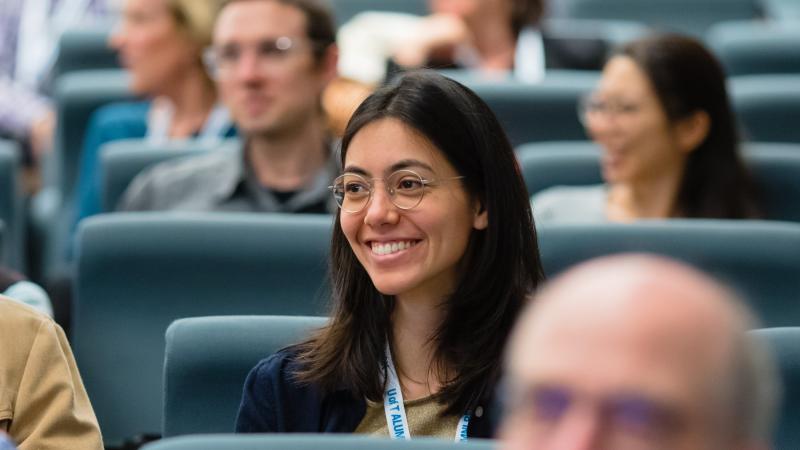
(196, 18)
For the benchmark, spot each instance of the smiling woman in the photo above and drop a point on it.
(432, 256)
(662, 117)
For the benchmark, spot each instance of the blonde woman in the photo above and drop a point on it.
(161, 43)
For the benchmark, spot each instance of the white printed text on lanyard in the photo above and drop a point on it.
(396, 419)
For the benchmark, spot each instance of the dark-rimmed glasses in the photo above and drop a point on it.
(405, 188)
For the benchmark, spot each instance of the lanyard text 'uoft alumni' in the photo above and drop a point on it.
(396, 419)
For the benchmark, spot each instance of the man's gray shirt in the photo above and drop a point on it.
(222, 181)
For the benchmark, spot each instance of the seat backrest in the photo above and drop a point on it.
(785, 344)
(122, 160)
(344, 10)
(686, 16)
(77, 95)
(138, 272)
(768, 106)
(750, 47)
(311, 442)
(775, 168)
(612, 32)
(783, 10)
(12, 211)
(207, 360)
(84, 48)
(546, 111)
(760, 259)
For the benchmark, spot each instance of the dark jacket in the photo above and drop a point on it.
(273, 402)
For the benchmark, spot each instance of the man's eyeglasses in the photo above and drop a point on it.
(405, 188)
(624, 414)
(269, 53)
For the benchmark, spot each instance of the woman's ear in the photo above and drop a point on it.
(481, 219)
(691, 131)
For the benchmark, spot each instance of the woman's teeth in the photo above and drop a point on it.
(387, 248)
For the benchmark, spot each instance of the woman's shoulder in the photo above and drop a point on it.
(127, 118)
(275, 400)
(279, 368)
(570, 203)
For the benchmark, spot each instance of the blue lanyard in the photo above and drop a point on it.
(396, 419)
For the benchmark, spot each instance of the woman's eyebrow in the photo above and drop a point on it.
(399, 165)
(355, 169)
(410, 163)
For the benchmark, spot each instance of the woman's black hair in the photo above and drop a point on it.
(500, 267)
(687, 78)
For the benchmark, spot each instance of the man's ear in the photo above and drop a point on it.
(328, 64)
(691, 131)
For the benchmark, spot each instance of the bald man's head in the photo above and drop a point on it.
(626, 352)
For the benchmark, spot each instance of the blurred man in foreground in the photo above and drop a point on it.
(637, 352)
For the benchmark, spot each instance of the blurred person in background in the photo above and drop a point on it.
(29, 34)
(490, 37)
(484, 35)
(161, 44)
(271, 60)
(43, 404)
(637, 352)
(670, 147)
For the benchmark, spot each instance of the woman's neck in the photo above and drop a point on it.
(494, 41)
(652, 198)
(414, 324)
(192, 98)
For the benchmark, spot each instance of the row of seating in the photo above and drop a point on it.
(311, 442)
(276, 264)
(12, 211)
(774, 167)
(208, 358)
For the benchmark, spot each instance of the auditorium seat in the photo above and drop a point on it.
(122, 160)
(760, 259)
(207, 360)
(782, 10)
(785, 342)
(138, 272)
(311, 442)
(768, 106)
(775, 168)
(344, 10)
(752, 48)
(538, 112)
(686, 16)
(84, 48)
(12, 209)
(77, 95)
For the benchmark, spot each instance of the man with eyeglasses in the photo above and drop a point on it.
(271, 60)
(637, 352)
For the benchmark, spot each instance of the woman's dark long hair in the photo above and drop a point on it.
(687, 78)
(499, 268)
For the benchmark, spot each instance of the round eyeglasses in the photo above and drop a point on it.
(405, 188)
(593, 105)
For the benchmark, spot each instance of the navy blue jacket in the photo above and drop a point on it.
(273, 402)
